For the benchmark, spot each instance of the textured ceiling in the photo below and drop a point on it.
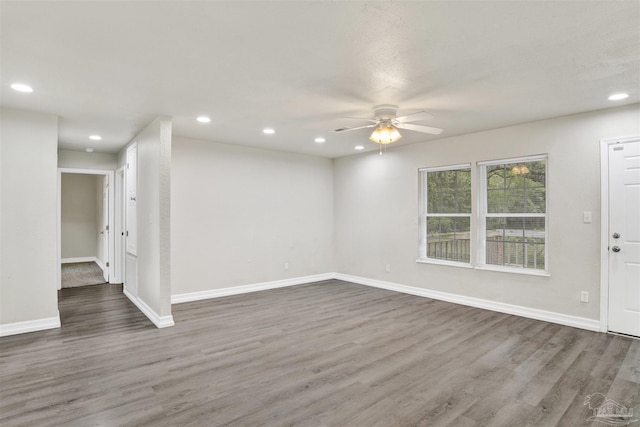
(109, 68)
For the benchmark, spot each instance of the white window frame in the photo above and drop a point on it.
(483, 215)
(422, 251)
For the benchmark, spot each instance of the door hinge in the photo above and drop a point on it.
(127, 233)
(107, 228)
(107, 263)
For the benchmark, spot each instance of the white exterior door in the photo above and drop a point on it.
(624, 237)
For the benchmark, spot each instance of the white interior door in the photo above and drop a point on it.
(118, 227)
(624, 238)
(131, 221)
(105, 232)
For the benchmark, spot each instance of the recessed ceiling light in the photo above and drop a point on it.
(89, 150)
(319, 140)
(268, 131)
(21, 87)
(203, 119)
(359, 147)
(95, 137)
(618, 96)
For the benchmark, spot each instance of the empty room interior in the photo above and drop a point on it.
(320, 213)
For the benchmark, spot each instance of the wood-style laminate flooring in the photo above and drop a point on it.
(325, 354)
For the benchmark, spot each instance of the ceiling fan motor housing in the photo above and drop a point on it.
(385, 112)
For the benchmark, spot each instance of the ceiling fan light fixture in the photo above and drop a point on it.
(386, 133)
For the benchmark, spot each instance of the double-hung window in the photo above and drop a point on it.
(445, 219)
(513, 214)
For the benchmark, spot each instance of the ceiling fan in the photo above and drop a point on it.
(387, 124)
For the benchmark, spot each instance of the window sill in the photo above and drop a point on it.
(500, 269)
(527, 272)
(443, 262)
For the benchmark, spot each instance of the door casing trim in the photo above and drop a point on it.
(111, 213)
(604, 225)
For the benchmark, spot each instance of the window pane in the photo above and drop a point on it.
(536, 200)
(513, 254)
(495, 176)
(433, 198)
(448, 238)
(534, 256)
(464, 201)
(448, 202)
(494, 250)
(495, 200)
(534, 228)
(516, 242)
(449, 191)
(523, 184)
(514, 200)
(515, 188)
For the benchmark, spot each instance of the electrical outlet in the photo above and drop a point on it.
(584, 296)
(388, 268)
(286, 265)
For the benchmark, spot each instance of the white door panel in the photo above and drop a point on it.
(118, 227)
(131, 274)
(624, 238)
(132, 202)
(105, 230)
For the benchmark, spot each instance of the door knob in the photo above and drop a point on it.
(616, 249)
(616, 236)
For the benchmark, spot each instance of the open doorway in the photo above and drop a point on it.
(85, 241)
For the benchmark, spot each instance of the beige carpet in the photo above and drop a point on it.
(81, 274)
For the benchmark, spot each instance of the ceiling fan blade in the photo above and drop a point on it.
(361, 118)
(422, 115)
(418, 128)
(347, 129)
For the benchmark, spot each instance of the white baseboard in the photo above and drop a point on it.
(79, 259)
(100, 264)
(30, 326)
(518, 310)
(243, 289)
(159, 321)
(166, 321)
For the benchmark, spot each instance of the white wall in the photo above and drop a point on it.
(376, 199)
(238, 214)
(84, 160)
(28, 248)
(153, 261)
(79, 227)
